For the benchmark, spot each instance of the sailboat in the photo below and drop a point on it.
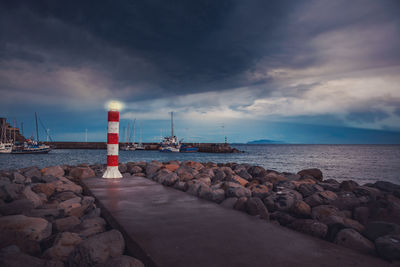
(5, 145)
(170, 143)
(32, 146)
(133, 146)
(140, 146)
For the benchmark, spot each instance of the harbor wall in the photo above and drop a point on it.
(203, 147)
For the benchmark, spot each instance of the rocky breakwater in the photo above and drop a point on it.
(46, 220)
(365, 218)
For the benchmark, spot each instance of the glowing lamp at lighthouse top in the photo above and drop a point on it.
(114, 105)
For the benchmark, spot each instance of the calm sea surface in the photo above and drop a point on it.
(362, 163)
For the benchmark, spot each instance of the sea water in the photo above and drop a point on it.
(362, 163)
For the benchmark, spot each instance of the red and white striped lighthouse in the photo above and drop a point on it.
(112, 141)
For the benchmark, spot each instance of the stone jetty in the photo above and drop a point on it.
(46, 219)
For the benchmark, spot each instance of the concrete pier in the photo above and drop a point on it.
(166, 227)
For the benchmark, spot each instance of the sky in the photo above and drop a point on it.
(292, 71)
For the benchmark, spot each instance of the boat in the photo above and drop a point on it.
(140, 145)
(32, 146)
(188, 148)
(170, 143)
(131, 146)
(5, 145)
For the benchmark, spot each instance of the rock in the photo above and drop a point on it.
(19, 206)
(46, 188)
(92, 226)
(171, 167)
(376, 229)
(186, 173)
(241, 204)
(301, 209)
(361, 214)
(244, 174)
(217, 195)
(122, 261)
(282, 217)
(310, 227)
(32, 196)
(179, 185)
(64, 244)
(272, 177)
(229, 203)
(255, 206)
(314, 172)
(10, 192)
(152, 168)
(365, 191)
(122, 168)
(48, 214)
(92, 214)
(239, 180)
(35, 229)
(19, 178)
(238, 192)
(23, 243)
(260, 191)
(257, 171)
(63, 184)
(283, 200)
(56, 171)
(18, 259)
(352, 239)
(388, 187)
(4, 181)
(133, 169)
(388, 247)
(330, 187)
(193, 164)
(98, 249)
(324, 212)
(33, 173)
(166, 177)
(348, 185)
(65, 224)
(309, 189)
(321, 198)
(284, 185)
(70, 204)
(345, 201)
(194, 188)
(219, 175)
(65, 195)
(82, 173)
(203, 178)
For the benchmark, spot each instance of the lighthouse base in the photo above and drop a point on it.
(112, 172)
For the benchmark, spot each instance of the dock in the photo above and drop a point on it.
(165, 227)
(203, 147)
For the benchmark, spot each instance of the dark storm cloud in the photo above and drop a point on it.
(367, 116)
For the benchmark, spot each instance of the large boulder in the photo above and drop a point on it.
(376, 229)
(46, 188)
(171, 167)
(19, 178)
(82, 173)
(301, 209)
(56, 171)
(64, 244)
(229, 203)
(352, 239)
(98, 249)
(10, 238)
(238, 192)
(283, 200)
(348, 185)
(307, 189)
(260, 190)
(35, 229)
(65, 224)
(321, 198)
(70, 204)
(10, 192)
(63, 184)
(388, 187)
(388, 247)
(217, 195)
(345, 201)
(32, 196)
(91, 226)
(13, 257)
(311, 227)
(193, 164)
(186, 173)
(165, 177)
(314, 172)
(255, 206)
(334, 218)
(19, 206)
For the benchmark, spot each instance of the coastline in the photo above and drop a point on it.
(361, 217)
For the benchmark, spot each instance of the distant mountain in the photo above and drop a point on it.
(264, 141)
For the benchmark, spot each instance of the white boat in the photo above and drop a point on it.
(6, 147)
(170, 143)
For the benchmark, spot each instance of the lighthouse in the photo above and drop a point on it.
(112, 140)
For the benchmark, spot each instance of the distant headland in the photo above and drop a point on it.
(265, 141)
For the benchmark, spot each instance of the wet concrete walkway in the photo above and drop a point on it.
(167, 227)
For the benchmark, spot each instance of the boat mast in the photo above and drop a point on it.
(134, 128)
(172, 124)
(37, 131)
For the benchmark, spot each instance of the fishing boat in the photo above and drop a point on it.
(170, 143)
(32, 146)
(6, 147)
